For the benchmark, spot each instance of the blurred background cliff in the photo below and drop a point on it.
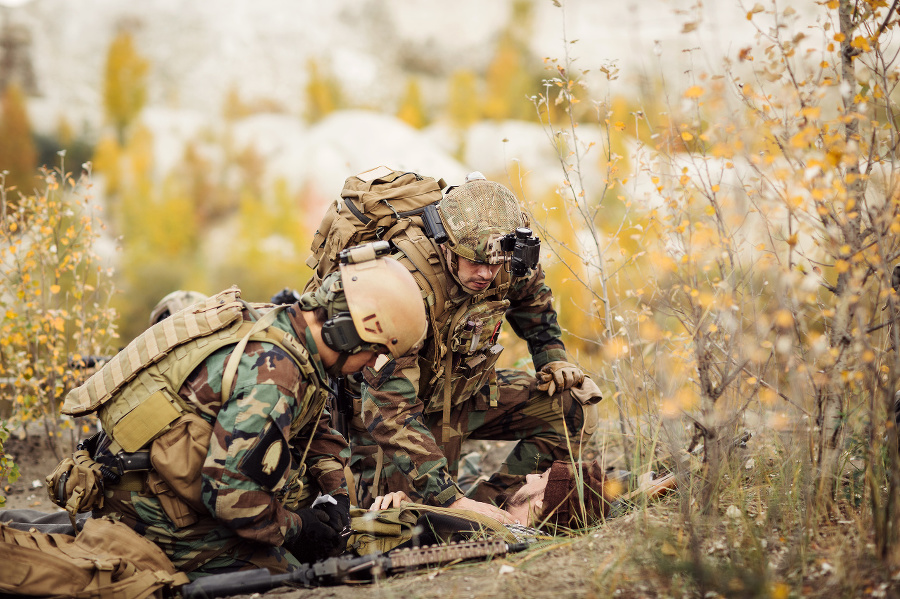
(217, 133)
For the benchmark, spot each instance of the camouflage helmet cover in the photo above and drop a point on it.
(174, 302)
(476, 215)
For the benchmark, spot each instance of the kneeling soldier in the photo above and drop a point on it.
(214, 419)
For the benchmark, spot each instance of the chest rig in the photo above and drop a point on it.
(461, 349)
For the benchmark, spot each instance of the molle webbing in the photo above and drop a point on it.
(146, 407)
(139, 409)
(217, 313)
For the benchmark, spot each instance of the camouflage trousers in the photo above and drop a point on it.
(546, 427)
(200, 548)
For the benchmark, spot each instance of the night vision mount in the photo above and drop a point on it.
(525, 249)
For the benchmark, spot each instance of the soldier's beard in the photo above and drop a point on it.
(453, 266)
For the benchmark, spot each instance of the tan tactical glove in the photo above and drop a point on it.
(559, 376)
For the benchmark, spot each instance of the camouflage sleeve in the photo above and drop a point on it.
(392, 413)
(328, 454)
(249, 456)
(533, 318)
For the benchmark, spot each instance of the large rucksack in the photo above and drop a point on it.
(379, 204)
(106, 560)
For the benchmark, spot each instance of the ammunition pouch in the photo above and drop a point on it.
(177, 458)
(472, 341)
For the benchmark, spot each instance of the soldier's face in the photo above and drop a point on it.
(358, 361)
(476, 276)
(532, 492)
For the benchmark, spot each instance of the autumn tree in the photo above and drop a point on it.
(412, 110)
(17, 148)
(55, 302)
(464, 107)
(124, 83)
(323, 94)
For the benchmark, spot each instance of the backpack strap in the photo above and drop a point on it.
(448, 371)
(424, 255)
(228, 375)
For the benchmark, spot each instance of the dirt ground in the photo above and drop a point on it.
(643, 553)
(35, 460)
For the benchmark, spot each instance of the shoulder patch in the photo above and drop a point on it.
(269, 458)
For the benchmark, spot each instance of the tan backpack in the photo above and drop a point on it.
(106, 560)
(380, 203)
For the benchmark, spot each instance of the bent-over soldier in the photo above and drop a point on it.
(416, 410)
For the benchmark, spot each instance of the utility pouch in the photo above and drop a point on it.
(177, 457)
(77, 483)
(475, 353)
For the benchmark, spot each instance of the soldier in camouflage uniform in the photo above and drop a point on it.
(410, 425)
(242, 505)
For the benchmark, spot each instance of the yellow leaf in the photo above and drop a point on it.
(695, 91)
(686, 136)
(842, 266)
(784, 319)
(839, 37)
(861, 43)
(811, 112)
(54, 288)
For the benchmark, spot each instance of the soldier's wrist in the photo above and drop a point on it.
(448, 496)
(545, 357)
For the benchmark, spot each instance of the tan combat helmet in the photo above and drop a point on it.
(384, 299)
(372, 302)
(476, 215)
(174, 302)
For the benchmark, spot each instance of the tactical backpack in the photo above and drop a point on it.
(377, 204)
(137, 402)
(106, 560)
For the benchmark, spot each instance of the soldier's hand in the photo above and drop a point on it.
(559, 376)
(316, 539)
(464, 503)
(383, 502)
(338, 513)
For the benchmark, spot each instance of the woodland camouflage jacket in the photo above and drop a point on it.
(396, 398)
(255, 448)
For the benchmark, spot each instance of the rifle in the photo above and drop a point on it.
(336, 570)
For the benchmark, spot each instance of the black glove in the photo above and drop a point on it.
(316, 539)
(338, 514)
(285, 296)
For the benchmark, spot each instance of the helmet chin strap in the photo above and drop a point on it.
(453, 264)
(334, 370)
